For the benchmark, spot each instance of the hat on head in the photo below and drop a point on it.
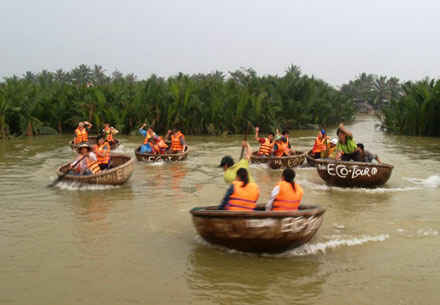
(334, 141)
(226, 160)
(82, 145)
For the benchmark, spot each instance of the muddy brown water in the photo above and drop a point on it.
(136, 244)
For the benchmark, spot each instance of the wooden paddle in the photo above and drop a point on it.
(62, 176)
(245, 139)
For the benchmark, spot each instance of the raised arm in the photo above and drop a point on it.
(257, 130)
(247, 148)
(344, 130)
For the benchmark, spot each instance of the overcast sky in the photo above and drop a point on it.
(333, 40)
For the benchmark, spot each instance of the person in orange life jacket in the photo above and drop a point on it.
(159, 146)
(320, 146)
(88, 165)
(109, 132)
(81, 133)
(177, 140)
(266, 144)
(281, 147)
(102, 151)
(287, 194)
(285, 134)
(242, 195)
(147, 147)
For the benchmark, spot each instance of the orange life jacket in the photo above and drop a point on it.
(287, 198)
(283, 149)
(162, 144)
(243, 198)
(148, 136)
(103, 153)
(93, 166)
(81, 135)
(320, 144)
(175, 142)
(108, 134)
(266, 147)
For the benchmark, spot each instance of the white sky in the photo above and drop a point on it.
(333, 40)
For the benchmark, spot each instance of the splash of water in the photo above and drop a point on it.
(431, 182)
(73, 186)
(324, 187)
(311, 249)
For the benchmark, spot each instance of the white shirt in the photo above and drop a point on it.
(275, 192)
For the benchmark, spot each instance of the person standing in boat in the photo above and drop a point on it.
(287, 194)
(230, 168)
(81, 132)
(102, 151)
(266, 144)
(320, 147)
(147, 147)
(178, 143)
(242, 195)
(88, 163)
(109, 132)
(365, 155)
(346, 148)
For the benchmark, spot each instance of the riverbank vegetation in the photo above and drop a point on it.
(416, 112)
(213, 103)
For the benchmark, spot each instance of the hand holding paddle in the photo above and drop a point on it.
(67, 171)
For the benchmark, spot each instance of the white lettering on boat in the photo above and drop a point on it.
(342, 171)
(260, 223)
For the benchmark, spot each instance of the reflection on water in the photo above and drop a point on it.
(219, 278)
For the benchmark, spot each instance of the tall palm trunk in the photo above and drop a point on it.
(29, 131)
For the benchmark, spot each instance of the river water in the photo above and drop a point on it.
(136, 244)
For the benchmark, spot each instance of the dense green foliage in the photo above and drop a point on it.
(417, 111)
(212, 103)
(373, 90)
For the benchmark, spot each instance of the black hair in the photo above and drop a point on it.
(361, 146)
(99, 138)
(271, 133)
(338, 131)
(242, 173)
(289, 176)
(284, 132)
(226, 160)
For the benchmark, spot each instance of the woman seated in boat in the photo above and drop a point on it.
(230, 168)
(102, 151)
(346, 148)
(320, 147)
(281, 147)
(86, 163)
(266, 144)
(365, 155)
(178, 143)
(159, 146)
(109, 132)
(242, 195)
(287, 194)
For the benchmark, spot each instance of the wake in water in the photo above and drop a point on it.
(73, 186)
(312, 249)
(325, 187)
(431, 182)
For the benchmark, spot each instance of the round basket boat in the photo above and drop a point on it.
(258, 231)
(310, 160)
(164, 157)
(92, 141)
(295, 159)
(353, 174)
(119, 172)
